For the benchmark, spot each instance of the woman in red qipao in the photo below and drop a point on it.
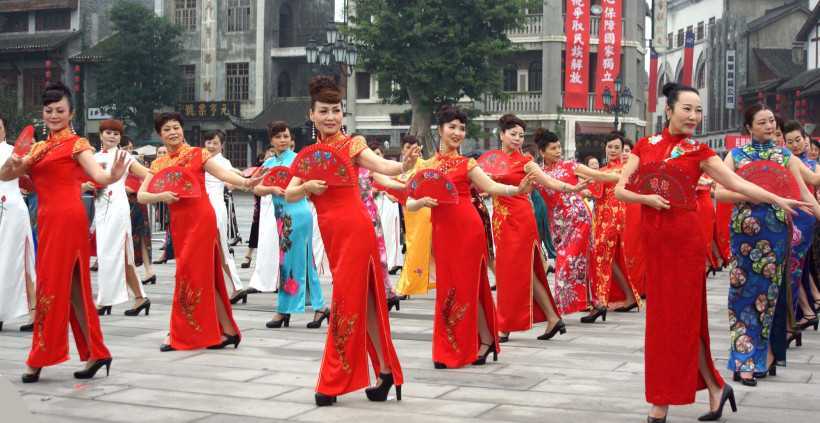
(708, 223)
(201, 314)
(523, 294)
(464, 328)
(57, 167)
(358, 316)
(633, 245)
(610, 278)
(678, 361)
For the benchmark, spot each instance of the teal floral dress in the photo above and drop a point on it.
(761, 238)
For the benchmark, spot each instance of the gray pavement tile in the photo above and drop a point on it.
(200, 385)
(517, 413)
(105, 411)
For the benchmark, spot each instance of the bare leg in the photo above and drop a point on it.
(79, 309)
(716, 253)
(373, 332)
(541, 297)
(484, 331)
(620, 279)
(32, 297)
(249, 254)
(803, 303)
(146, 260)
(134, 284)
(711, 384)
(814, 291)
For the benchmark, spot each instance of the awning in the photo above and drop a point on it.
(594, 127)
(95, 54)
(31, 5)
(802, 81)
(27, 43)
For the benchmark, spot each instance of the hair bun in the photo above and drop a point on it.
(669, 88)
(539, 133)
(321, 83)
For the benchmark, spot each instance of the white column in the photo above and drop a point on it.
(569, 140)
(262, 58)
(208, 33)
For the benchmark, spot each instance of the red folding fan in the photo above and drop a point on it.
(772, 177)
(494, 163)
(278, 176)
(177, 180)
(133, 183)
(324, 163)
(24, 141)
(434, 184)
(667, 180)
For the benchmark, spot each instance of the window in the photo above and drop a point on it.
(14, 22)
(669, 38)
(235, 149)
(52, 20)
(661, 82)
(34, 80)
(535, 76)
(700, 77)
(362, 85)
(285, 26)
(701, 33)
(680, 38)
(690, 28)
(238, 16)
(8, 84)
(185, 14)
(237, 81)
(522, 79)
(510, 79)
(283, 85)
(188, 83)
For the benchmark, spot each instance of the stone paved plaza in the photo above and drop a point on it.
(594, 373)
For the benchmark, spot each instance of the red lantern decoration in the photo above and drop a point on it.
(48, 75)
(48, 63)
(76, 68)
(76, 88)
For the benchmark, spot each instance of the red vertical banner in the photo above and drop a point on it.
(653, 80)
(609, 50)
(688, 58)
(576, 79)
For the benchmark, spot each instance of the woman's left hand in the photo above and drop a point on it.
(410, 158)
(527, 184)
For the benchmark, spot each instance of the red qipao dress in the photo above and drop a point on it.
(462, 285)
(676, 319)
(353, 252)
(199, 279)
(608, 230)
(633, 249)
(517, 254)
(62, 253)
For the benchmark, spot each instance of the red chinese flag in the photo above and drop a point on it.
(653, 81)
(688, 53)
(576, 79)
(609, 51)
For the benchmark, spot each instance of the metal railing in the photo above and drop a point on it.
(590, 107)
(515, 102)
(533, 25)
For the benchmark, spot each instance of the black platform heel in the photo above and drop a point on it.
(323, 400)
(379, 393)
(650, 419)
(150, 281)
(277, 323)
(439, 366)
(796, 337)
(559, 327)
(810, 322)
(751, 382)
(241, 295)
(626, 309)
(393, 302)
(91, 371)
(317, 323)
(102, 311)
(229, 340)
(480, 361)
(591, 318)
(728, 394)
(146, 305)
(31, 377)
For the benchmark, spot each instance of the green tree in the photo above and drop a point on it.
(436, 51)
(141, 69)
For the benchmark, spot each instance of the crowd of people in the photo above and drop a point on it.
(609, 247)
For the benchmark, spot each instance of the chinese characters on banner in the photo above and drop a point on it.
(609, 50)
(209, 110)
(576, 82)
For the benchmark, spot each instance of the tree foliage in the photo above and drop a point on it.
(436, 51)
(141, 69)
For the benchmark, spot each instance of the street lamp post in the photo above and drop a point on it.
(338, 53)
(619, 104)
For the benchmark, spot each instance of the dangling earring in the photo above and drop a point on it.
(71, 125)
(313, 132)
(344, 130)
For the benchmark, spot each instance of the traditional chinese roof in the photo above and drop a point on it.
(773, 15)
(802, 81)
(27, 43)
(30, 5)
(808, 27)
(761, 87)
(94, 54)
(779, 61)
(292, 110)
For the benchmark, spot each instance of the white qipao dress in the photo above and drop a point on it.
(391, 226)
(265, 275)
(16, 246)
(115, 244)
(216, 194)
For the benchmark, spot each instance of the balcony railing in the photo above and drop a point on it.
(516, 102)
(590, 107)
(533, 25)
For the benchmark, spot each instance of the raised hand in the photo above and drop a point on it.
(118, 168)
(411, 157)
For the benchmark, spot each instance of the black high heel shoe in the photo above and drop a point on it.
(745, 381)
(393, 302)
(247, 263)
(91, 371)
(317, 323)
(626, 309)
(229, 340)
(592, 317)
(323, 400)
(379, 393)
(728, 394)
(162, 261)
(31, 377)
(166, 348)
(480, 361)
(650, 419)
(277, 323)
(28, 327)
(559, 327)
(146, 305)
(503, 338)
(102, 311)
(439, 366)
(150, 281)
(241, 295)
(809, 322)
(796, 337)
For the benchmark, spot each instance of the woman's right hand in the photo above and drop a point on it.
(277, 191)
(428, 202)
(656, 202)
(167, 197)
(315, 187)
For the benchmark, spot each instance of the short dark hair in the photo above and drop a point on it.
(56, 91)
(166, 117)
(510, 121)
(115, 125)
(276, 127)
(672, 90)
(449, 113)
(126, 140)
(750, 112)
(793, 125)
(409, 139)
(545, 137)
(216, 133)
(376, 145)
(587, 159)
(616, 135)
(779, 122)
(627, 141)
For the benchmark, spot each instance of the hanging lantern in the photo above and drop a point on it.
(48, 63)
(76, 68)
(77, 88)
(48, 74)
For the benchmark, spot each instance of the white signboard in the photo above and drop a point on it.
(659, 37)
(731, 84)
(96, 113)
